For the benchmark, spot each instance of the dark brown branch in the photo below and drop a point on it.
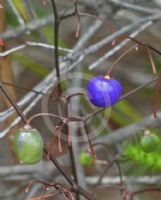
(11, 100)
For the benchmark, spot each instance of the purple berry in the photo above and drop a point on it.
(103, 92)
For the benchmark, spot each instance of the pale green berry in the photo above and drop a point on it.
(28, 146)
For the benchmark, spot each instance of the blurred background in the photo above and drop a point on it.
(27, 62)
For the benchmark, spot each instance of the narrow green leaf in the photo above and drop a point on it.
(124, 113)
(32, 65)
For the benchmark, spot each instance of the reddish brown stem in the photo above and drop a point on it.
(119, 58)
(105, 22)
(147, 47)
(156, 94)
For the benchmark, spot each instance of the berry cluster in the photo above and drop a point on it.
(28, 144)
(102, 92)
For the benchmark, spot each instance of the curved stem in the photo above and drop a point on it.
(92, 151)
(69, 179)
(110, 163)
(109, 25)
(51, 194)
(144, 44)
(147, 47)
(65, 16)
(119, 58)
(44, 114)
(145, 190)
(155, 95)
(151, 59)
(74, 94)
(123, 97)
(57, 135)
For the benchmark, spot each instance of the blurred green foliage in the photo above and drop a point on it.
(138, 162)
(31, 64)
(47, 32)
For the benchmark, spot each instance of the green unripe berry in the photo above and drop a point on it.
(86, 158)
(28, 146)
(150, 142)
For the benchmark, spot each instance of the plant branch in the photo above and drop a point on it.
(11, 100)
(56, 38)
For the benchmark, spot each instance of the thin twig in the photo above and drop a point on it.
(9, 97)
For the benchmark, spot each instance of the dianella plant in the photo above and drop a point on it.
(80, 99)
